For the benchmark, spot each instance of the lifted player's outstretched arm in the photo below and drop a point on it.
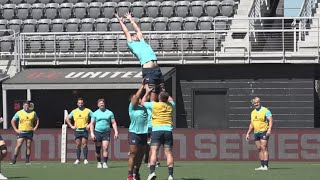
(136, 97)
(124, 28)
(134, 25)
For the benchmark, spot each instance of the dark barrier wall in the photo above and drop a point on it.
(287, 90)
(284, 145)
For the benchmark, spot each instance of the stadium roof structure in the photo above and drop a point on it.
(3, 77)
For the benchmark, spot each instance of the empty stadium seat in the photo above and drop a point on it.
(3, 2)
(29, 25)
(44, 25)
(87, 25)
(31, 1)
(205, 23)
(49, 44)
(102, 24)
(168, 42)
(95, 10)
(73, 1)
(190, 23)
(64, 43)
(72, 25)
(122, 43)
(220, 23)
(155, 41)
(59, 1)
(212, 41)
(138, 9)
(88, 1)
(197, 8)
(15, 24)
(44, 1)
(3, 25)
(58, 25)
(227, 8)
(80, 10)
(23, 11)
(102, 1)
(197, 42)
(146, 24)
(108, 43)
(212, 8)
(175, 23)
(123, 8)
(114, 25)
(79, 43)
(94, 43)
(116, 1)
(36, 44)
(37, 11)
(129, 25)
(152, 9)
(167, 8)
(51, 10)
(182, 8)
(8, 11)
(65, 10)
(16, 2)
(183, 42)
(108, 9)
(160, 23)
(6, 43)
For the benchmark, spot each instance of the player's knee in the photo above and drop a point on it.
(259, 148)
(3, 149)
(264, 148)
(98, 149)
(28, 145)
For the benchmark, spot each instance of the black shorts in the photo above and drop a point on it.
(261, 136)
(26, 135)
(1, 139)
(102, 136)
(137, 139)
(164, 138)
(153, 76)
(81, 134)
(149, 132)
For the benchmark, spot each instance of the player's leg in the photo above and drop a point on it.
(142, 145)
(28, 150)
(85, 148)
(258, 145)
(78, 148)
(133, 149)
(168, 145)
(265, 152)
(105, 149)
(17, 149)
(3, 153)
(156, 141)
(98, 153)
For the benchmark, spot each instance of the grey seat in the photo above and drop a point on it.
(168, 42)
(167, 8)
(16, 2)
(205, 23)
(123, 8)
(6, 43)
(212, 42)
(183, 42)
(8, 11)
(190, 23)
(108, 43)
(160, 23)
(197, 8)
(59, 1)
(87, 25)
(102, 1)
(37, 11)
(80, 10)
(73, 1)
(50, 43)
(108, 9)
(58, 25)
(227, 8)
(138, 9)
(31, 1)
(212, 8)
(94, 43)
(51, 10)
(29, 25)
(116, 1)
(88, 1)
(152, 9)
(102, 24)
(155, 41)
(114, 25)
(129, 25)
(175, 23)
(23, 11)
(220, 23)
(79, 43)
(122, 43)
(197, 42)
(36, 44)
(72, 25)
(65, 10)
(15, 24)
(3, 26)
(182, 8)
(44, 1)
(146, 24)
(95, 10)
(3, 2)
(64, 43)
(44, 25)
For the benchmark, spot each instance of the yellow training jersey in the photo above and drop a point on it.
(26, 120)
(81, 118)
(162, 114)
(259, 121)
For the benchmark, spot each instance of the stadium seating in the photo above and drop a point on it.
(51, 10)
(23, 11)
(87, 25)
(95, 10)
(153, 9)
(58, 25)
(3, 25)
(102, 24)
(37, 11)
(6, 44)
(44, 25)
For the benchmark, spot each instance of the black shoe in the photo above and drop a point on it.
(13, 162)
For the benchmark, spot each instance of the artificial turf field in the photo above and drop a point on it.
(184, 170)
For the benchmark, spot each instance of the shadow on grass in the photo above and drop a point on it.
(192, 179)
(280, 168)
(18, 177)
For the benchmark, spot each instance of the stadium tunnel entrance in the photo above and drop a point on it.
(54, 90)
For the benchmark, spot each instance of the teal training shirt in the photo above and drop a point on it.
(142, 51)
(102, 120)
(139, 119)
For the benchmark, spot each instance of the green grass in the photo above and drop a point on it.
(184, 170)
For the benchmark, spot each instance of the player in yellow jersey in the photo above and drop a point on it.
(28, 122)
(261, 124)
(81, 117)
(3, 152)
(162, 125)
